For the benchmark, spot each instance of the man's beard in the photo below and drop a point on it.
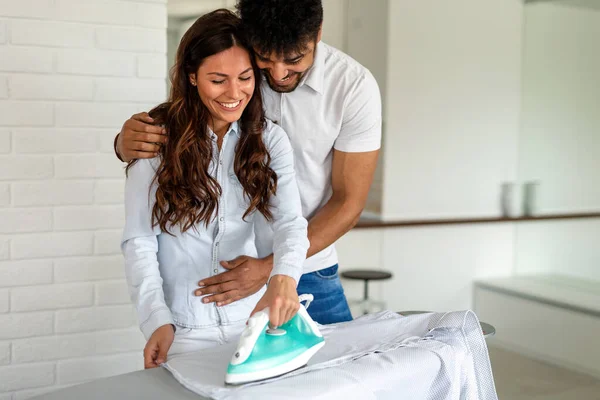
(297, 75)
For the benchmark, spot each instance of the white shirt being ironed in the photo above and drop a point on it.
(163, 270)
(337, 105)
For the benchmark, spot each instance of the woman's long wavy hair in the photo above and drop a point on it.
(186, 193)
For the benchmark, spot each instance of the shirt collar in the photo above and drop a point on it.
(315, 76)
(234, 127)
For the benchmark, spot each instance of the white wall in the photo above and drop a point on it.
(335, 14)
(452, 118)
(367, 42)
(71, 72)
(560, 138)
(559, 247)
(433, 267)
(195, 8)
(452, 106)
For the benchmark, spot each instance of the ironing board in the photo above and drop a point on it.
(150, 384)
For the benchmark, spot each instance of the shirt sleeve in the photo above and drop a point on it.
(139, 245)
(290, 228)
(361, 124)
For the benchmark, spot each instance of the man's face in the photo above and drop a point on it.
(284, 72)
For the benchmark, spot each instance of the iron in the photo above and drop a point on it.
(264, 353)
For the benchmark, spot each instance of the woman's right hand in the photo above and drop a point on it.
(281, 298)
(155, 352)
(139, 138)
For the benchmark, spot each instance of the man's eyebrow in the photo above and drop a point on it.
(295, 58)
(285, 59)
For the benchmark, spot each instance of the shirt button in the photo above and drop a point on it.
(215, 271)
(221, 162)
(221, 219)
(217, 244)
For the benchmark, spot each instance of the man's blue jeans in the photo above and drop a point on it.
(329, 305)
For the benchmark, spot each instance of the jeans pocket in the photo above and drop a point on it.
(327, 273)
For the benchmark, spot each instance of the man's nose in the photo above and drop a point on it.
(279, 71)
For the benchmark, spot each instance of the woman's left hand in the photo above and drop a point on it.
(281, 298)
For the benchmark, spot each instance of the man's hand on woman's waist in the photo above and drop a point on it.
(244, 276)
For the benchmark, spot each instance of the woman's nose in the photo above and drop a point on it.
(234, 90)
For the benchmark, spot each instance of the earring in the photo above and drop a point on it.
(193, 83)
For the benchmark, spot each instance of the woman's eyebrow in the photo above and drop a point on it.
(225, 75)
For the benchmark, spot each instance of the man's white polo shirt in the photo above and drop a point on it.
(337, 105)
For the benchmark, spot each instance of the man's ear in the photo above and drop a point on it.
(320, 34)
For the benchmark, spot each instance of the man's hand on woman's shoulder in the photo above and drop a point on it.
(139, 138)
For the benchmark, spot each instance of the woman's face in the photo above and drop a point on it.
(225, 83)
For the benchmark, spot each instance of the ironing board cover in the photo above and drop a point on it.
(435, 356)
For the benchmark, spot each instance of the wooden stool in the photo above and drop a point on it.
(367, 275)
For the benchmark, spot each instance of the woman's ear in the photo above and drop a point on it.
(193, 79)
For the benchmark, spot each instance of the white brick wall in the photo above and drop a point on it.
(4, 353)
(40, 87)
(4, 141)
(106, 242)
(115, 292)
(18, 325)
(51, 297)
(4, 249)
(52, 193)
(49, 140)
(4, 300)
(2, 32)
(25, 273)
(82, 269)
(107, 192)
(14, 377)
(94, 318)
(23, 59)
(71, 72)
(95, 62)
(3, 88)
(25, 167)
(4, 194)
(51, 33)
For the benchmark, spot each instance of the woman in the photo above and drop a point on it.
(194, 206)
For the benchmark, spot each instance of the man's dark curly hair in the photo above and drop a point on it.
(281, 26)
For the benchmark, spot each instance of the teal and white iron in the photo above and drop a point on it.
(264, 353)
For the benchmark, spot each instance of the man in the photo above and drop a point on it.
(330, 107)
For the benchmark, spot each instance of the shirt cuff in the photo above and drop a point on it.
(158, 318)
(289, 270)
(115, 147)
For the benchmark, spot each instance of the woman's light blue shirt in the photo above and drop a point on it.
(163, 271)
